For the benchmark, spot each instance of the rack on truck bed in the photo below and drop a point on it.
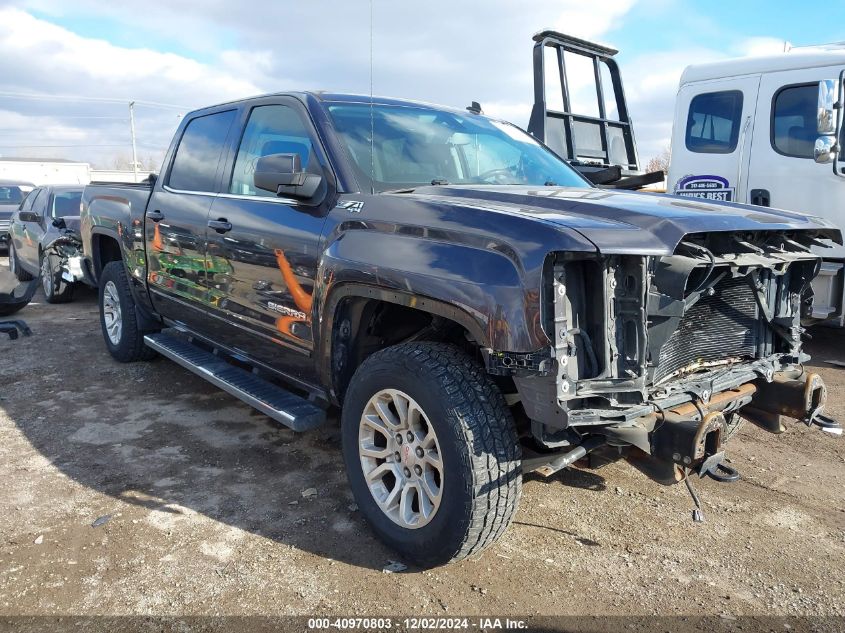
(598, 141)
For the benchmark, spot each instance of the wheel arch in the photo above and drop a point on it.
(350, 308)
(107, 247)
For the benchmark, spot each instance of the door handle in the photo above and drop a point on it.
(155, 216)
(221, 225)
(761, 197)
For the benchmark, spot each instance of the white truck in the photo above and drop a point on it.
(768, 131)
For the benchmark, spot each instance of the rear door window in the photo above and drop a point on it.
(713, 122)
(198, 155)
(794, 120)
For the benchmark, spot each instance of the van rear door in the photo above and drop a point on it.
(714, 121)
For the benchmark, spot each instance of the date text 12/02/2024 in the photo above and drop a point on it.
(419, 623)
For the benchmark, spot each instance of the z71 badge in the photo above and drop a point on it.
(707, 187)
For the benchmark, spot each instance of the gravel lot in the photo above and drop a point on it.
(141, 489)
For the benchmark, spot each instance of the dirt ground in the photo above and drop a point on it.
(141, 489)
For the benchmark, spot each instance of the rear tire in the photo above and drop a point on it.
(55, 288)
(459, 456)
(124, 339)
(15, 265)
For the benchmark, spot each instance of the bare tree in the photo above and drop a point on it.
(151, 163)
(122, 161)
(660, 162)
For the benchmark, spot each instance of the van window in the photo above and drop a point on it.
(713, 122)
(195, 165)
(794, 120)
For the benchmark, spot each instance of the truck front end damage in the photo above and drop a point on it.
(658, 355)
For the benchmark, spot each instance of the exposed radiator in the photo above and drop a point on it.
(717, 327)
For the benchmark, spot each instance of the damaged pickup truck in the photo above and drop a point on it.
(474, 306)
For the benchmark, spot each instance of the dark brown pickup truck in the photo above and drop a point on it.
(474, 306)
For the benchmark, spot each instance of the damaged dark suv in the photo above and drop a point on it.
(474, 306)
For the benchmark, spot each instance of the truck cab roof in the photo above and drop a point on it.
(795, 59)
(332, 97)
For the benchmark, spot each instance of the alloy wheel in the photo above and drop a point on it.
(401, 459)
(112, 313)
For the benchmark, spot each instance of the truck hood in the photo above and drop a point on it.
(624, 222)
(6, 210)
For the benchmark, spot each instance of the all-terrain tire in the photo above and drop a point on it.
(128, 345)
(479, 448)
(15, 265)
(55, 288)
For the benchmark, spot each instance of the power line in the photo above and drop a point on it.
(51, 97)
(52, 146)
(63, 116)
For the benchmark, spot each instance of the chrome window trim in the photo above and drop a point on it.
(243, 196)
(233, 196)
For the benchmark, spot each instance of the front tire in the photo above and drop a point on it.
(55, 288)
(431, 452)
(124, 339)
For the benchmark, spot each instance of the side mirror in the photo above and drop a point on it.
(59, 223)
(826, 118)
(283, 175)
(824, 149)
(29, 216)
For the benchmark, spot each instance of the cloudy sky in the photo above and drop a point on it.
(69, 68)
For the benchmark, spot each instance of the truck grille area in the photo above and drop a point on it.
(718, 327)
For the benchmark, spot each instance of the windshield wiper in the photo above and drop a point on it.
(439, 181)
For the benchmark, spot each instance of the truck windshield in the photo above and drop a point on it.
(416, 146)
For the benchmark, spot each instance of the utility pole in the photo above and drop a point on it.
(132, 130)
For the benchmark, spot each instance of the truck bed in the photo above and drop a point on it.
(113, 209)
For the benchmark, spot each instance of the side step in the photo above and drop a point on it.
(287, 408)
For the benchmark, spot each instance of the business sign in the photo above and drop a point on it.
(707, 187)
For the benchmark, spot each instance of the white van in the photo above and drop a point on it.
(763, 130)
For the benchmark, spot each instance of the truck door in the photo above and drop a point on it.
(782, 170)
(175, 221)
(263, 250)
(714, 121)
